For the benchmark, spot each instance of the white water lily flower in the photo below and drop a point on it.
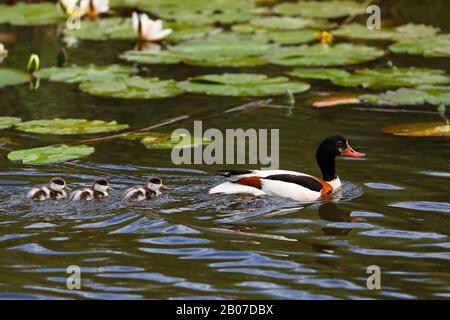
(94, 7)
(70, 7)
(3, 52)
(148, 29)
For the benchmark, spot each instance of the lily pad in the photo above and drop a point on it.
(162, 7)
(10, 77)
(393, 77)
(319, 73)
(133, 88)
(325, 55)
(50, 154)
(30, 14)
(156, 140)
(242, 84)
(77, 74)
(435, 95)
(8, 122)
(117, 28)
(377, 78)
(405, 32)
(437, 46)
(224, 50)
(69, 126)
(211, 16)
(271, 23)
(421, 129)
(320, 9)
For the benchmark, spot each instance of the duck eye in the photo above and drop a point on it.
(340, 144)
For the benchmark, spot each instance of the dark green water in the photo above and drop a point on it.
(188, 244)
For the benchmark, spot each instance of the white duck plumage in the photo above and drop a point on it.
(291, 184)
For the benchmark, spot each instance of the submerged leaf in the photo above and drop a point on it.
(10, 77)
(30, 14)
(421, 129)
(437, 46)
(405, 32)
(325, 55)
(50, 154)
(320, 9)
(132, 88)
(69, 126)
(241, 84)
(8, 122)
(77, 74)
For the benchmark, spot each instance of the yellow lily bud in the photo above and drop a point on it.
(33, 63)
(324, 37)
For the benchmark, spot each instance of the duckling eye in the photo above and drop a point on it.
(155, 181)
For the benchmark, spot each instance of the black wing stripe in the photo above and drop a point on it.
(304, 181)
(229, 173)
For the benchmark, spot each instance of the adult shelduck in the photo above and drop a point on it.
(290, 184)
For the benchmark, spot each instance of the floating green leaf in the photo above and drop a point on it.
(30, 14)
(271, 23)
(224, 50)
(421, 129)
(405, 32)
(117, 28)
(393, 77)
(156, 140)
(163, 7)
(77, 74)
(10, 77)
(377, 78)
(241, 84)
(437, 46)
(320, 9)
(8, 122)
(50, 154)
(69, 126)
(319, 73)
(435, 95)
(211, 16)
(325, 55)
(132, 88)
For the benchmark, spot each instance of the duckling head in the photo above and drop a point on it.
(57, 184)
(100, 185)
(155, 184)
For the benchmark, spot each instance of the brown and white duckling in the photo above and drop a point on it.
(98, 190)
(150, 189)
(54, 191)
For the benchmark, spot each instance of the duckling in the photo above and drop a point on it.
(98, 190)
(150, 189)
(54, 191)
